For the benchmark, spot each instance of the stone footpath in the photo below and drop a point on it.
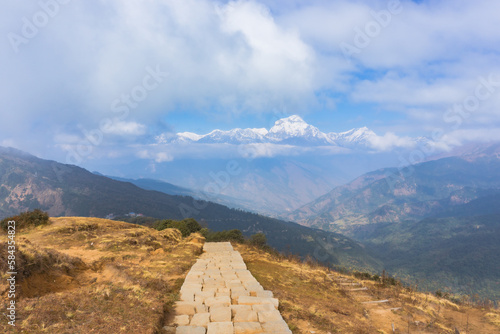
(221, 296)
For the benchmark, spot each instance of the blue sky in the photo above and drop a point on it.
(66, 68)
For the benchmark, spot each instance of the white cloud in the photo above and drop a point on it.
(390, 141)
(177, 151)
(241, 57)
(163, 157)
(464, 136)
(125, 129)
(407, 90)
(8, 143)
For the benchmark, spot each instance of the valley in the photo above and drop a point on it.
(436, 227)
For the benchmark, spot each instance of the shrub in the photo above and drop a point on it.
(258, 239)
(26, 220)
(231, 235)
(192, 225)
(186, 226)
(363, 275)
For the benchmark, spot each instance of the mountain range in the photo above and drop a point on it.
(28, 182)
(292, 130)
(435, 224)
(393, 195)
(281, 168)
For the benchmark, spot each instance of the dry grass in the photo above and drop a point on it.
(89, 275)
(494, 318)
(311, 301)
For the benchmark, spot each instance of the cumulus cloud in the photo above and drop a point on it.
(390, 141)
(178, 151)
(464, 136)
(237, 58)
(125, 129)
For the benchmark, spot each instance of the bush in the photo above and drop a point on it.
(192, 225)
(364, 275)
(26, 220)
(258, 239)
(186, 226)
(231, 235)
(390, 281)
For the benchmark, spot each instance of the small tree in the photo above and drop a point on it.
(192, 225)
(235, 235)
(258, 239)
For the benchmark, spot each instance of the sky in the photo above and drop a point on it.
(118, 74)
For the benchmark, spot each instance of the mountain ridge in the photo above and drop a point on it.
(435, 223)
(388, 195)
(291, 130)
(28, 183)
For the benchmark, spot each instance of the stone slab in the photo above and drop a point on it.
(247, 328)
(246, 316)
(200, 320)
(220, 314)
(220, 328)
(190, 330)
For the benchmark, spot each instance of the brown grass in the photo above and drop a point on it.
(89, 275)
(494, 318)
(311, 299)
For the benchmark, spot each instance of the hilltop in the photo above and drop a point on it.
(111, 277)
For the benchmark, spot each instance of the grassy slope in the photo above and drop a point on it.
(311, 299)
(88, 275)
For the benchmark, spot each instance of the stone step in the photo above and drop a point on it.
(376, 302)
(220, 295)
(358, 289)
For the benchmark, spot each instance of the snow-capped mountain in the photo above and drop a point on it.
(292, 130)
(354, 137)
(235, 136)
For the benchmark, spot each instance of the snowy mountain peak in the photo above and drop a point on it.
(292, 130)
(292, 126)
(290, 119)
